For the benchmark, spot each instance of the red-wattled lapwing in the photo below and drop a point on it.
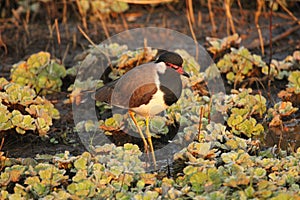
(146, 90)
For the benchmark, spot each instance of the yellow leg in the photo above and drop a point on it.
(139, 130)
(148, 135)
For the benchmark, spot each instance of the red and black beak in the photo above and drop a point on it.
(182, 72)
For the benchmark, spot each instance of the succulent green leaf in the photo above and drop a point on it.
(158, 125)
(294, 81)
(80, 163)
(119, 6)
(40, 73)
(197, 180)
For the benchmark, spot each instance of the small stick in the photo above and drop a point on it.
(74, 40)
(229, 16)
(5, 157)
(124, 21)
(64, 20)
(149, 14)
(193, 34)
(212, 18)
(189, 4)
(209, 108)
(271, 50)
(83, 14)
(3, 44)
(199, 19)
(94, 45)
(103, 23)
(200, 122)
(261, 40)
(276, 38)
(241, 9)
(285, 34)
(260, 4)
(2, 142)
(65, 53)
(288, 11)
(86, 36)
(57, 32)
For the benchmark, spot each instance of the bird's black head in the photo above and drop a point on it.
(172, 60)
(170, 57)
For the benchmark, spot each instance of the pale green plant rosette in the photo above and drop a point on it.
(39, 72)
(22, 110)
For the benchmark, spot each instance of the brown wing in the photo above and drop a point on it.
(135, 88)
(142, 95)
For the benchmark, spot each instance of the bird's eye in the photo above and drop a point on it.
(172, 66)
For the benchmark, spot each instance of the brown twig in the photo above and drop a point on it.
(212, 18)
(57, 32)
(2, 143)
(82, 13)
(229, 16)
(124, 21)
(189, 4)
(25, 23)
(288, 11)
(86, 36)
(276, 38)
(74, 41)
(64, 19)
(103, 23)
(65, 53)
(199, 19)
(5, 157)
(241, 9)
(149, 15)
(193, 35)
(260, 4)
(209, 109)
(285, 34)
(3, 44)
(200, 121)
(271, 51)
(94, 45)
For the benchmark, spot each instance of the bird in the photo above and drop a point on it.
(146, 90)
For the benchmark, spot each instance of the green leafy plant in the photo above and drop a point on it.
(45, 177)
(114, 123)
(241, 123)
(280, 110)
(117, 172)
(243, 106)
(240, 64)
(292, 92)
(102, 6)
(23, 110)
(294, 81)
(217, 46)
(242, 174)
(39, 72)
(279, 69)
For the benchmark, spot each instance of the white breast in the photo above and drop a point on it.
(154, 106)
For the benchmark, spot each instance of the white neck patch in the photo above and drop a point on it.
(161, 67)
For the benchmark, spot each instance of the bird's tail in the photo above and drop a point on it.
(104, 93)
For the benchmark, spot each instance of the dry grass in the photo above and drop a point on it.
(59, 12)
